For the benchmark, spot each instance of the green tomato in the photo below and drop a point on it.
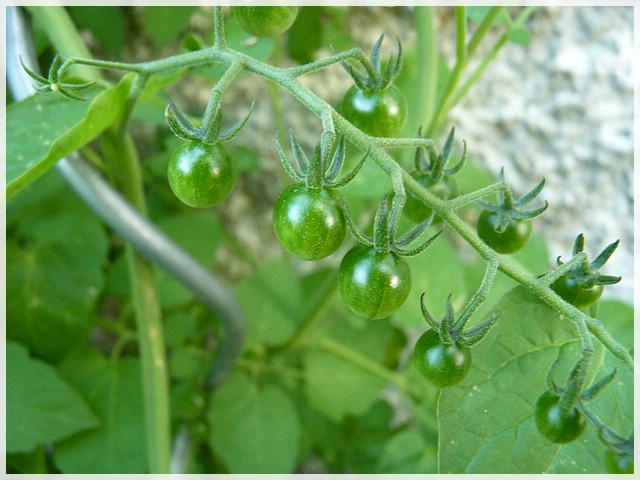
(571, 291)
(512, 239)
(378, 113)
(309, 222)
(265, 21)
(201, 175)
(445, 189)
(554, 424)
(441, 364)
(374, 284)
(618, 462)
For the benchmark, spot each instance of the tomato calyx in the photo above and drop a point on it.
(582, 285)
(434, 167)
(385, 226)
(510, 209)
(375, 78)
(323, 169)
(53, 82)
(452, 330)
(210, 131)
(431, 172)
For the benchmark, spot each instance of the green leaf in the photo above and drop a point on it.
(337, 381)
(521, 36)
(617, 317)
(114, 392)
(272, 303)
(106, 23)
(254, 430)
(407, 452)
(165, 24)
(198, 233)
(44, 128)
(437, 273)
(55, 283)
(364, 437)
(486, 422)
(41, 407)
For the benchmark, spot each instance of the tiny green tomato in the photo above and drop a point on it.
(512, 239)
(374, 284)
(309, 222)
(378, 113)
(201, 175)
(265, 21)
(554, 424)
(568, 287)
(440, 363)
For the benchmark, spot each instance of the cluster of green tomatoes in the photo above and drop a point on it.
(311, 222)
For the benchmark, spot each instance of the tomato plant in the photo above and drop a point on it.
(218, 348)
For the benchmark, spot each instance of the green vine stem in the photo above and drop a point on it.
(426, 43)
(122, 155)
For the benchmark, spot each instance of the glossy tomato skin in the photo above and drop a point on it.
(618, 462)
(309, 222)
(201, 175)
(446, 189)
(378, 113)
(374, 284)
(555, 425)
(441, 364)
(514, 237)
(265, 21)
(571, 291)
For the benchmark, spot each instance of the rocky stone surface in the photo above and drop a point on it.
(562, 108)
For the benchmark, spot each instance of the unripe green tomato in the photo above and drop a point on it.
(309, 222)
(512, 239)
(571, 291)
(618, 462)
(201, 175)
(374, 284)
(378, 113)
(445, 189)
(554, 424)
(265, 21)
(441, 364)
